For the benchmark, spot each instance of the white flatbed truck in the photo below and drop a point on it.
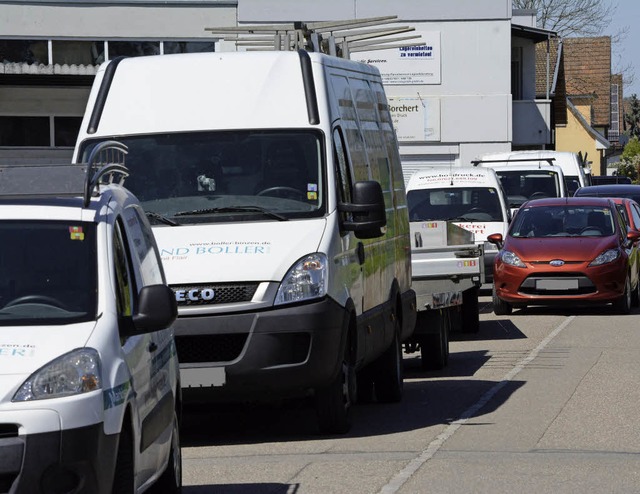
(447, 272)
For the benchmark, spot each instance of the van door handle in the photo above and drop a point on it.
(360, 251)
(152, 347)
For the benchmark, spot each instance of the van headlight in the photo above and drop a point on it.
(73, 373)
(306, 280)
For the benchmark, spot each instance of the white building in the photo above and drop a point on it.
(470, 90)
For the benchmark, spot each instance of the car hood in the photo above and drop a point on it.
(568, 249)
(236, 252)
(25, 349)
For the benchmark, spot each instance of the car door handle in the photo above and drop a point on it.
(152, 347)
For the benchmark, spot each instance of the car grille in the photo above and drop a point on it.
(224, 293)
(585, 285)
(210, 348)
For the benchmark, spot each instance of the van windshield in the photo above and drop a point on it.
(196, 177)
(455, 204)
(523, 185)
(48, 272)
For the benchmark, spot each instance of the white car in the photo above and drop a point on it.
(89, 377)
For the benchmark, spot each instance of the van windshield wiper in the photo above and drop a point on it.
(161, 218)
(234, 209)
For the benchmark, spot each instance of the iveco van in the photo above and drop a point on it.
(274, 185)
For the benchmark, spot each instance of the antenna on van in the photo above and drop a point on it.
(337, 38)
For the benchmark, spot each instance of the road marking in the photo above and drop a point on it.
(414, 465)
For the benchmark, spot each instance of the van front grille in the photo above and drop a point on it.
(214, 293)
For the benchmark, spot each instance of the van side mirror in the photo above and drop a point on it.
(157, 309)
(368, 212)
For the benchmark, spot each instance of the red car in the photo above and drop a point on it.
(575, 250)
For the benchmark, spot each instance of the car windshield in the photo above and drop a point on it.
(563, 221)
(48, 272)
(455, 204)
(197, 177)
(522, 185)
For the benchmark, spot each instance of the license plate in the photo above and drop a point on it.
(203, 377)
(556, 284)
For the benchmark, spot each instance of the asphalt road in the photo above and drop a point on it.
(544, 401)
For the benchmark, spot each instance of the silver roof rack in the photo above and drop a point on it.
(337, 38)
(105, 165)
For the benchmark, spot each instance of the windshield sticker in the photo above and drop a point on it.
(214, 248)
(312, 192)
(15, 350)
(76, 233)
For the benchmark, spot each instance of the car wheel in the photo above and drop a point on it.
(500, 307)
(388, 380)
(470, 311)
(333, 402)
(623, 304)
(170, 481)
(434, 347)
(123, 477)
(635, 294)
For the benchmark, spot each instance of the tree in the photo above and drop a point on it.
(630, 159)
(632, 118)
(570, 17)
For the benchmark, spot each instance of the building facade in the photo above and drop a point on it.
(469, 90)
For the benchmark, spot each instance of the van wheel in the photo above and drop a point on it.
(123, 478)
(434, 347)
(388, 379)
(470, 311)
(333, 403)
(623, 304)
(170, 481)
(500, 307)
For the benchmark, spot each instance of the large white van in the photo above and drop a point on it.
(523, 181)
(89, 378)
(470, 197)
(274, 183)
(570, 163)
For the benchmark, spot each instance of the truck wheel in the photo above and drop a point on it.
(388, 379)
(500, 307)
(434, 347)
(470, 311)
(170, 481)
(333, 402)
(123, 477)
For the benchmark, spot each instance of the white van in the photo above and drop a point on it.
(570, 163)
(470, 197)
(275, 186)
(525, 181)
(89, 391)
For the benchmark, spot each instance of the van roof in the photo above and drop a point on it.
(454, 177)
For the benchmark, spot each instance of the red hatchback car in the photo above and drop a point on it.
(575, 250)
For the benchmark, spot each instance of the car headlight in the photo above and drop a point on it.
(306, 280)
(606, 257)
(73, 373)
(510, 258)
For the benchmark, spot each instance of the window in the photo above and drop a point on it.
(24, 131)
(77, 52)
(516, 73)
(24, 51)
(133, 48)
(188, 47)
(125, 289)
(66, 131)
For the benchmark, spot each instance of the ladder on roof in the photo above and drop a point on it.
(337, 38)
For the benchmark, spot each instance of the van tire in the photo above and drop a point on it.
(123, 476)
(434, 347)
(470, 311)
(388, 380)
(333, 402)
(170, 482)
(500, 307)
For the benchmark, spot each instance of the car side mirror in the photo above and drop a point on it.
(633, 236)
(496, 239)
(368, 212)
(157, 309)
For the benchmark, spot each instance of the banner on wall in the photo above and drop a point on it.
(407, 65)
(415, 118)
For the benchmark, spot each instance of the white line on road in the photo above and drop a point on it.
(405, 474)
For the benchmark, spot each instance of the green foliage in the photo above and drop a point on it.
(632, 118)
(631, 149)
